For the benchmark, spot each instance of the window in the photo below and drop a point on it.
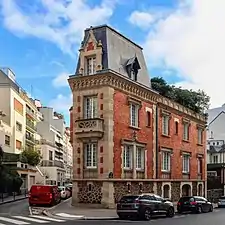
(50, 156)
(165, 125)
(166, 157)
(127, 157)
(186, 132)
(199, 165)
(7, 140)
(91, 66)
(134, 117)
(140, 158)
(186, 163)
(90, 107)
(176, 127)
(18, 145)
(200, 134)
(148, 119)
(18, 126)
(215, 159)
(90, 150)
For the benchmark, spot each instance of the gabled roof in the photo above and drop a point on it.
(222, 112)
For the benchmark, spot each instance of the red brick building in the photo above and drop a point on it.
(126, 137)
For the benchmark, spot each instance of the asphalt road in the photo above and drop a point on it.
(15, 208)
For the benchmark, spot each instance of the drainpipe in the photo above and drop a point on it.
(156, 142)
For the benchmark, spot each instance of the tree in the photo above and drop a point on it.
(198, 101)
(31, 156)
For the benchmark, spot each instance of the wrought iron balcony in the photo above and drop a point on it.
(87, 128)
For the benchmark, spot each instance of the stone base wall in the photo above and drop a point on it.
(108, 193)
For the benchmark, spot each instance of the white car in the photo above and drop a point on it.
(221, 202)
(63, 192)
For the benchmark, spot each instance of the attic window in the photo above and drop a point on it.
(132, 67)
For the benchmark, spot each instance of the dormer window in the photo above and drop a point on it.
(91, 65)
(132, 67)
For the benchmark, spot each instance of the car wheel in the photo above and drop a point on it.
(199, 209)
(211, 209)
(170, 212)
(122, 217)
(147, 214)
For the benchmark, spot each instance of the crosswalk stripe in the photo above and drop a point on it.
(31, 219)
(48, 218)
(2, 224)
(18, 222)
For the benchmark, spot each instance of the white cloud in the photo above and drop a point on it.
(61, 80)
(59, 21)
(141, 19)
(61, 103)
(191, 41)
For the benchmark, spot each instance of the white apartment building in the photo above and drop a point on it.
(56, 159)
(14, 125)
(216, 135)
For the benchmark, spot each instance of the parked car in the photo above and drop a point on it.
(221, 202)
(64, 192)
(196, 204)
(44, 195)
(144, 206)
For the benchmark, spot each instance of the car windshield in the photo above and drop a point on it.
(129, 199)
(186, 199)
(61, 188)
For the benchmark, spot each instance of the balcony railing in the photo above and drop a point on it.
(31, 125)
(29, 112)
(29, 138)
(86, 128)
(53, 163)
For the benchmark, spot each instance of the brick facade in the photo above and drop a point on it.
(126, 137)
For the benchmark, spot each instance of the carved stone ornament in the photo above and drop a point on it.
(117, 81)
(87, 124)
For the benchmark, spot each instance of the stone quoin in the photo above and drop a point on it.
(126, 137)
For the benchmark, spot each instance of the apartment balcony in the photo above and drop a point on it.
(89, 128)
(59, 150)
(30, 113)
(52, 163)
(31, 126)
(30, 140)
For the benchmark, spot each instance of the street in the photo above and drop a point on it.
(18, 213)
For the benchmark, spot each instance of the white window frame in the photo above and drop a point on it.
(134, 115)
(128, 156)
(215, 157)
(166, 161)
(186, 163)
(90, 150)
(199, 165)
(91, 65)
(165, 124)
(200, 134)
(186, 131)
(140, 158)
(90, 107)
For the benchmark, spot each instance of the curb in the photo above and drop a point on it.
(100, 218)
(11, 201)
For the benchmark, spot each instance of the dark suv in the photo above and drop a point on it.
(196, 204)
(144, 206)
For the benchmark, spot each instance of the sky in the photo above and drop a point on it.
(182, 41)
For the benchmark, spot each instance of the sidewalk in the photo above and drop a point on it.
(65, 209)
(11, 199)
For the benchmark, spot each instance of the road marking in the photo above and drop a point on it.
(69, 215)
(31, 219)
(48, 218)
(18, 222)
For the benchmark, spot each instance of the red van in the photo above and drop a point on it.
(44, 195)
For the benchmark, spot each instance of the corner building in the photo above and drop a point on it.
(126, 137)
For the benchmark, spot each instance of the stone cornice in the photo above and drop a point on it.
(117, 81)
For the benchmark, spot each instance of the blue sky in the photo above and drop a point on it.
(40, 41)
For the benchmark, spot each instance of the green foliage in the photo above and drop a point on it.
(31, 156)
(198, 101)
